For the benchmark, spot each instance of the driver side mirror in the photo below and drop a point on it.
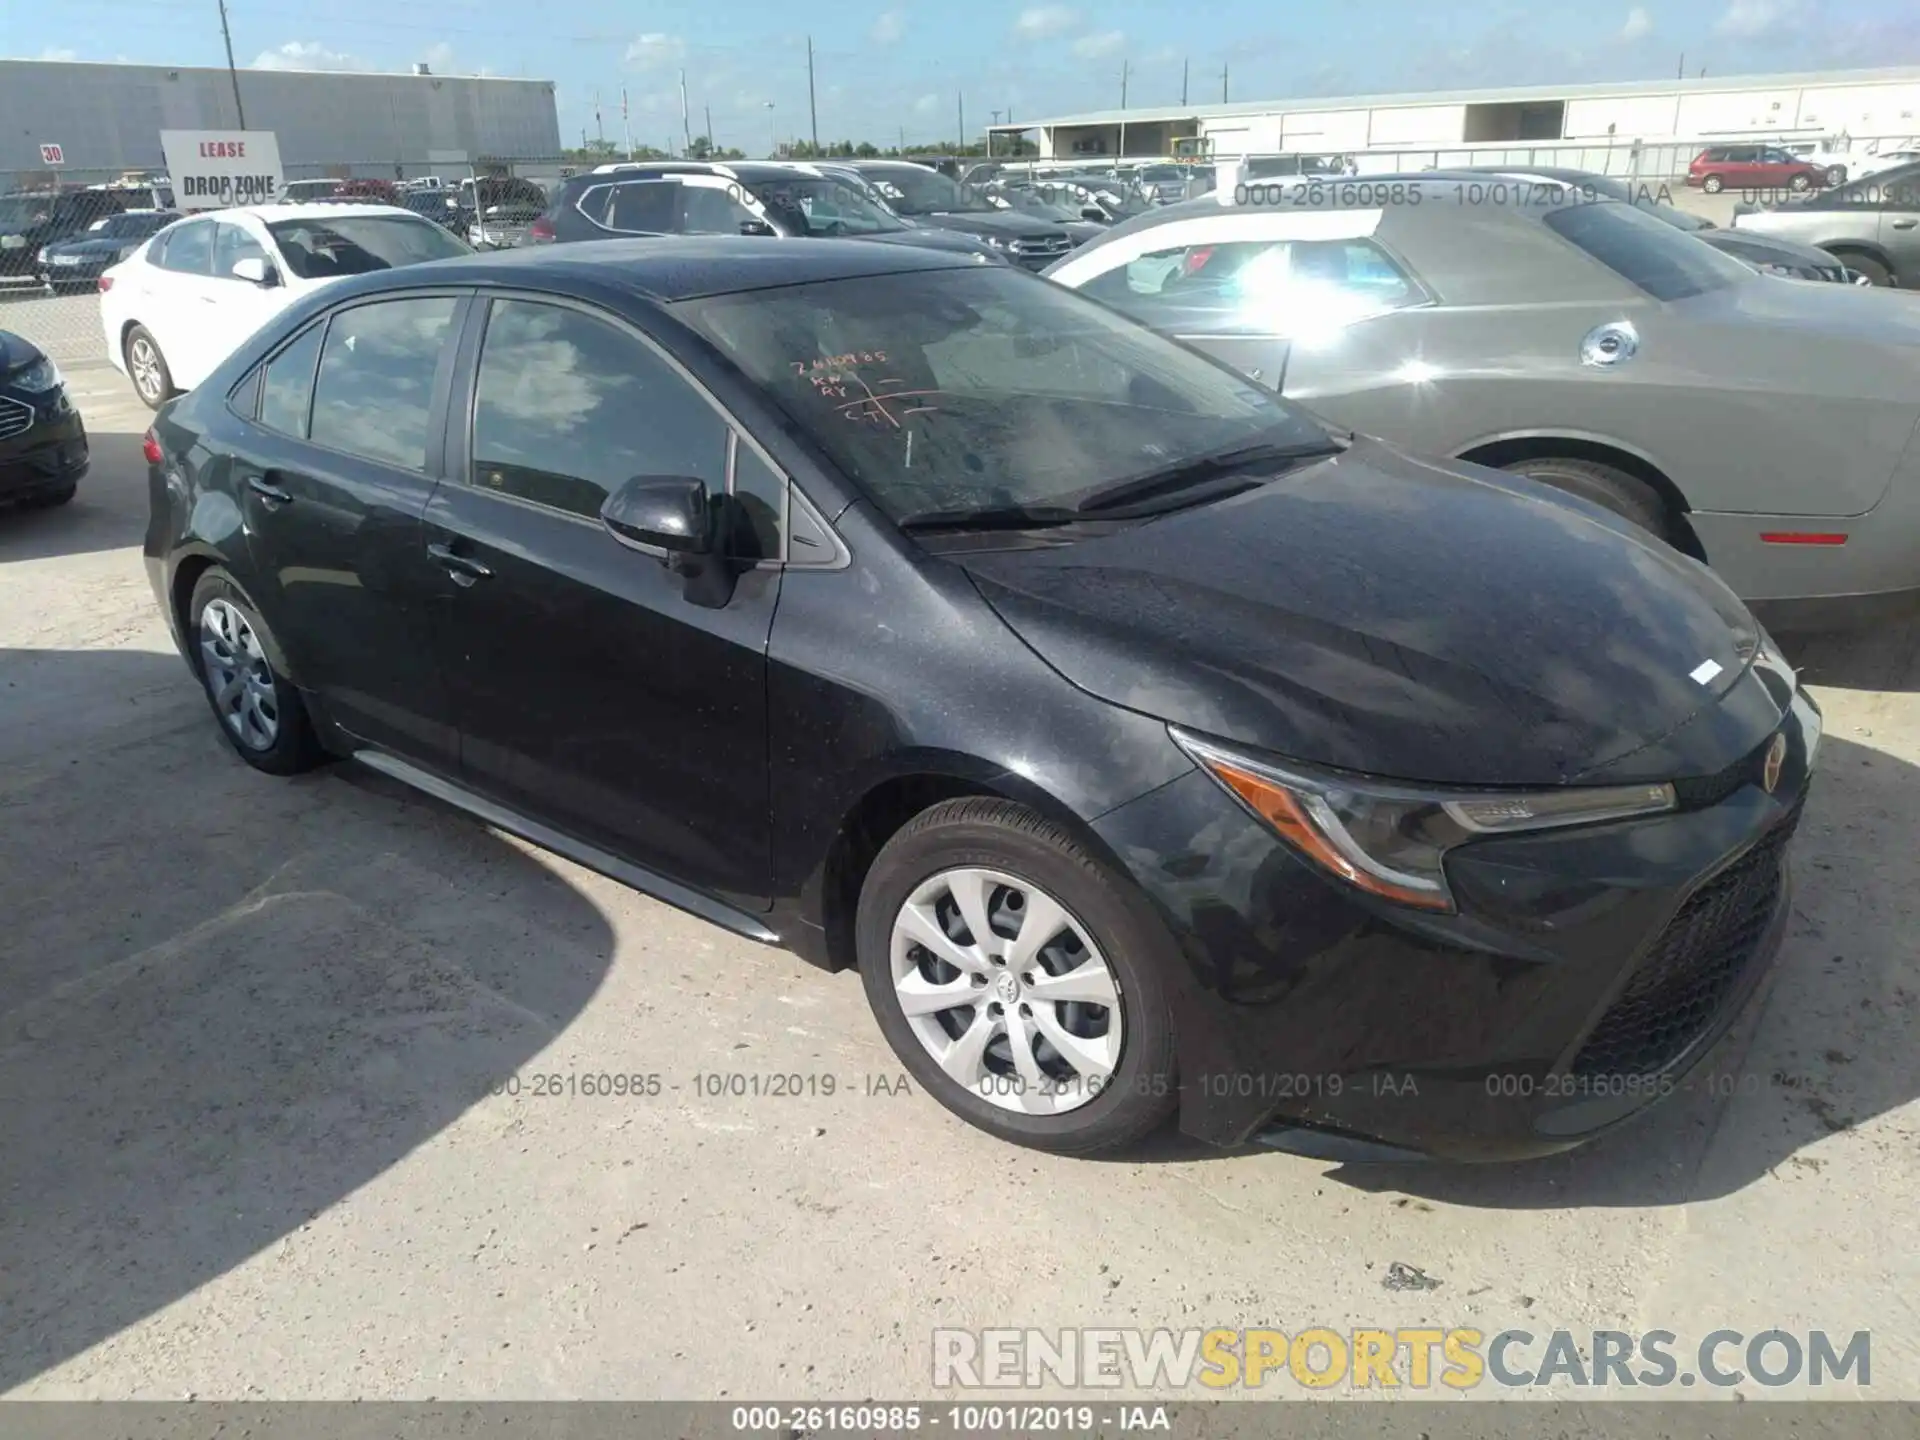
(256, 271)
(664, 512)
(757, 227)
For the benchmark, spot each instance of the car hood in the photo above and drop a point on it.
(90, 245)
(927, 239)
(1003, 223)
(16, 353)
(1768, 249)
(1380, 613)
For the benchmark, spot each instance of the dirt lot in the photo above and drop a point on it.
(249, 1031)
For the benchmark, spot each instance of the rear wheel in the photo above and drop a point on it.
(1626, 496)
(259, 710)
(152, 380)
(1713, 184)
(1018, 979)
(1800, 184)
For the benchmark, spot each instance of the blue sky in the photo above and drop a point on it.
(884, 67)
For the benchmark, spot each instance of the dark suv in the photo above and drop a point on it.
(927, 197)
(32, 219)
(689, 197)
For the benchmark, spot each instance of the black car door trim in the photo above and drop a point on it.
(638, 877)
(457, 439)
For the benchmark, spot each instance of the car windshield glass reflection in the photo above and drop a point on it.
(357, 244)
(972, 389)
(928, 193)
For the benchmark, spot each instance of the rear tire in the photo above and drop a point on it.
(1800, 184)
(1061, 927)
(1713, 184)
(1626, 496)
(260, 711)
(152, 380)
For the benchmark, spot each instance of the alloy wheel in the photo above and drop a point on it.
(238, 676)
(1007, 991)
(144, 361)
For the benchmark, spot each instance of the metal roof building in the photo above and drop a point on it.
(1862, 103)
(107, 118)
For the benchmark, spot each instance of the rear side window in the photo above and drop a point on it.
(643, 205)
(374, 392)
(1667, 263)
(190, 249)
(287, 390)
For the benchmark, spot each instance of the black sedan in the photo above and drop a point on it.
(80, 261)
(43, 443)
(1146, 746)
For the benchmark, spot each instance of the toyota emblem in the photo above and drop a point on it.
(1776, 757)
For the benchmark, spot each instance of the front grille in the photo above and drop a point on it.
(1680, 988)
(15, 418)
(1050, 248)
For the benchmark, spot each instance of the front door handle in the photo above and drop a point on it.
(464, 571)
(272, 494)
(1905, 224)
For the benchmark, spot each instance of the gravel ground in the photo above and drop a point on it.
(250, 1031)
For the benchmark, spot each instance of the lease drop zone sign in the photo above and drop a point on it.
(212, 169)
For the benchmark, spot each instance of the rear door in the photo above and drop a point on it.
(590, 690)
(177, 301)
(343, 450)
(1898, 194)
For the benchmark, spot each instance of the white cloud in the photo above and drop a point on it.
(439, 57)
(1107, 42)
(307, 55)
(891, 25)
(53, 53)
(1043, 21)
(1748, 19)
(1639, 24)
(926, 104)
(1165, 55)
(654, 50)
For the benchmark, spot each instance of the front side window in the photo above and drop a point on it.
(231, 245)
(190, 249)
(1276, 287)
(349, 244)
(965, 388)
(286, 392)
(569, 407)
(1664, 262)
(710, 210)
(374, 394)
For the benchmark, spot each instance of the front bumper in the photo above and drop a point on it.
(47, 456)
(1588, 971)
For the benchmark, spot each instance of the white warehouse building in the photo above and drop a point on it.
(1649, 128)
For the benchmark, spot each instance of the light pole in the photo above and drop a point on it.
(773, 123)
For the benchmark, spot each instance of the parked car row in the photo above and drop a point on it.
(1145, 738)
(33, 220)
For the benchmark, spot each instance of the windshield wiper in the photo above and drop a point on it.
(1198, 470)
(989, 517)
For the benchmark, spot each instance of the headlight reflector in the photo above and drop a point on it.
(38, 378)
(1391, 840)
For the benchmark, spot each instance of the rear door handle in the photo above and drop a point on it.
(1905, 224)
(268, 492)
(463, 570)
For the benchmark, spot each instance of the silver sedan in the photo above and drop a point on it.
(1766, 426)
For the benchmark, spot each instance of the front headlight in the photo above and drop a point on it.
(38, 378)
(996, 241)
(1391, 840)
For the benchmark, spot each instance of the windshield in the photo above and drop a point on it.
(913, 191)
(18, 212)
(1643, 251)
(1029, 203)
(824, 207)
(357, 244)
(978, 388)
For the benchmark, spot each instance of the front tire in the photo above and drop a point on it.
(1836, 175)
(1055, 1031)
(259, 710)
(1625, 495)
(152, 380)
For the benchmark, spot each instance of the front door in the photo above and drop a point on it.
(332, 478)
(591, 692)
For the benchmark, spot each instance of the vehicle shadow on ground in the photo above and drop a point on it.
(1832, 1044)
(108, 513)
(1883, 657)
(228, 1001)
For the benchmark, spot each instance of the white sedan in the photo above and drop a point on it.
(183, 302)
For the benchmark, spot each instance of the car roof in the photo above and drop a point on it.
(669, 269)
(266, 214)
